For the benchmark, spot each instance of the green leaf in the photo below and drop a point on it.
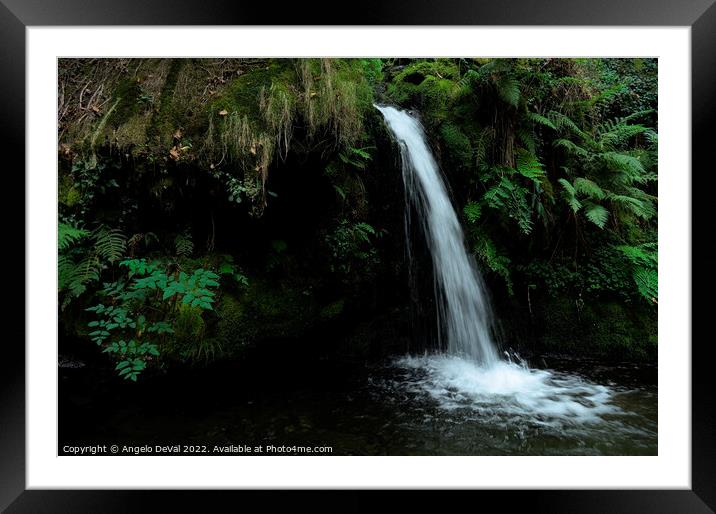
(589, 188)
(569, 194)
(542, 120)
(67, 235)
(596, 214)
(508, 89)
(529, 166)
(472, 211)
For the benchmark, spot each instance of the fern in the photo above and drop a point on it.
(110, 244)
(357, 157)
(541, 120)
(68, 235)
(146, 238)
(486, 250)
(564, 123)
(482, 143)
(571, 147)
(472, 211)
(363, 230)
(512, 198)
(526, 136)
(589, 188)
(569, 193)
(529, 166)
(644, 261)
(184, 245)
(641, 255)
(647, 283)
(614, 134)
(73, 278)
(640, 208)
(632, 168)
(596, 214)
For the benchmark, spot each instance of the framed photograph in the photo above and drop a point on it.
(444, 250)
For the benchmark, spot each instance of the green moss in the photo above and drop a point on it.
(604, 329)
(429, 84)
(126, 96)
(68, 194)
(133, 132)
(189, 324)
(264, 311)
(168, 117)
(243, 94)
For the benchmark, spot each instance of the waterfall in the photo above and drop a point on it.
(464, 312)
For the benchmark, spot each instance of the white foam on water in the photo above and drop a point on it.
(510, 391)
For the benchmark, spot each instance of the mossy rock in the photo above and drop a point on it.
(242, 94)
(606, 329)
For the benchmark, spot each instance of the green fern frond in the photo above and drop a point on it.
(647, 282)
(184, 245)
(511, 198)
(641, 208)
(498, 194)
(571, 147)
(645, 263)
(570, 195)
(541, 120)
(74, 277)
(67, 235)
(636, 115)
(652, 137)
(482, 144)
(589, 188)
(631, 167)
(619, 134)
(527, 137)
(562, 122)
(596, 214)
(641, 255)
(110, 243)
(65, 271)
(88, 269)
(529, 166)
(486, 250)
(472, 211)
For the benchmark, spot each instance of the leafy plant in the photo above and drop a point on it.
(645, 269)
(82, 264)
(351, 246)
(183, 244)
(142, 309)
(356, 157)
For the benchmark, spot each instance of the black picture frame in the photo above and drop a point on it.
(700, 15)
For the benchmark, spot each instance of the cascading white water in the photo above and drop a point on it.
(464, 310)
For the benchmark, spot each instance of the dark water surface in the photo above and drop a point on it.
(396, 407)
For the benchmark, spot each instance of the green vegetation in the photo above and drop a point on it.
(555, 164)
(207, 205)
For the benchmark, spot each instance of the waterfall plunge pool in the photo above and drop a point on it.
(406, 405)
